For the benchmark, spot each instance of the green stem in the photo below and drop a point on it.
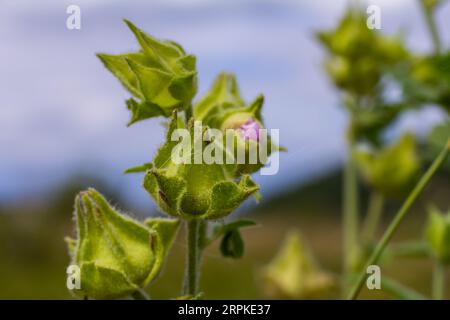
(408, 250)
(373, 217)
(400, 291)
(192, 258)
(350, 215)
(413, 196)
(432, 28)
(140, 295)
(188, 113)
(438, 290)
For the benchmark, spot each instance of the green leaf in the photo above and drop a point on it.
(232, 245)
(141, 168)
(143, 110)
(221, 229)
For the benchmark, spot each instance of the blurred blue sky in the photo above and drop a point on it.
(61, 113)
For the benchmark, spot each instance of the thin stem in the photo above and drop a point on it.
(192, 258)
(373, 217)
(432, 28)
(413, 196)
(399, 290)
(408, 250)
(140, 295)
(350, 215)
(188, 113)
(438, 290)
(202, 236)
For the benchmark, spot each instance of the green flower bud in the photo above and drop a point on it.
(116, 254)
(361, 78)
(161, 76)
(351, 38)
(428, 80)
(359, 55)
(189, 188)
(224, 94)
(223, 108)
(392, 170)
(340, 70)
(438, 235)
(294, 274)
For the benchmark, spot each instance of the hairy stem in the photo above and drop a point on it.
(438, 289)
(192, 272)
(350, 215)
(432, 28)
(413, 196)
(373, 217)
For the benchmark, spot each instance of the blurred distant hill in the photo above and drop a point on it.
(325, 192)
(33, 255)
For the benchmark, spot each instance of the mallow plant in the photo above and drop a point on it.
(197, 178)
(365, 66)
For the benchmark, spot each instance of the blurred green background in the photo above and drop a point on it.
(33, 255)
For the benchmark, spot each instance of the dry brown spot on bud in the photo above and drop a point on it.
(163, 197)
